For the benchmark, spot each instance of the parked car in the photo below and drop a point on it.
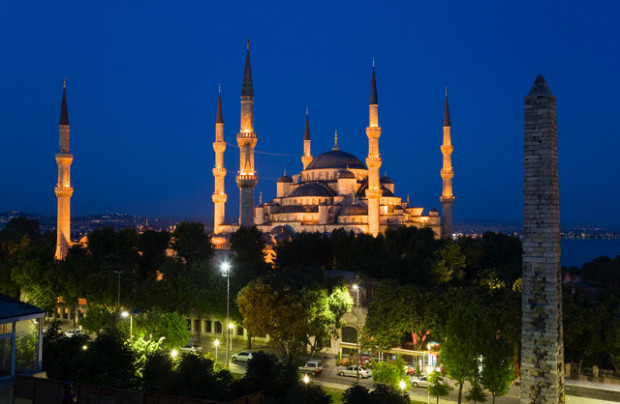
(72, 333)
(352, 371)
(419, 381)
(312, 367)
(191, 348)
(242, 356)
(422, 381)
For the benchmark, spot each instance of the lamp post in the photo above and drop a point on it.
(118, 296)
(226, 273)
(357, 294)
(216, 343)
(125, 315)
(402, 387)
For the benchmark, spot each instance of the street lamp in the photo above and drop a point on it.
(226, 273)
(216, 343)
(402, 387)
(306, 379)
(118, 298)
(357, 294)
(125, 315)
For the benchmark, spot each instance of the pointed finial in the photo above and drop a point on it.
(306, 111)
(336, 141)
(373, 62)
(219, 88)
(285, 172)
(385, 173)
(64, 83)
(248, 42)
(446, 91)
(260, 198)
(407, 199)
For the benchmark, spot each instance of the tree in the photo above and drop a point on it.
(293, 318)
(191, 242)
(436, 387)
(475, 393)
(497, 370)
(356, 394)
(390, 374)
(461, 344)
(170, 326)
(449, 264)
(98, 318)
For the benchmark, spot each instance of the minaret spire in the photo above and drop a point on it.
(219, 172)
(246, 139)
(447, 198)
(307, 157)
(63, 189)
(373, 161)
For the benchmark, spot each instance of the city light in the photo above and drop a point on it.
(306, 379)
(174, 353)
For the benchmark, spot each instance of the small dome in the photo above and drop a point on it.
(312, 189)
(345, 174)
(336, 159)
(386, 180)
(285, 178)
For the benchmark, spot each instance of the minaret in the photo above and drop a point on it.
(307, 157)
(63, 187)
(246, 139)
(219, 172)
(373, 161)
(542, 358)
(447, 198)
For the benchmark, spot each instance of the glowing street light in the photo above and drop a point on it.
(174, 353)
(402, 387)
(357, 294)
(125, 314)
(225, 268)
(216, 343)
(306, 379)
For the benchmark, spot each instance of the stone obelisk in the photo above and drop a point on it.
(542, 362)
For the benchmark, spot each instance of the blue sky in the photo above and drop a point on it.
(142, 82)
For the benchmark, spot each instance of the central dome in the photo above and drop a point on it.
(335, 159)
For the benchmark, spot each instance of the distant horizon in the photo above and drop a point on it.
(209, 219)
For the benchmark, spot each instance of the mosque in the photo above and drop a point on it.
(334, 190)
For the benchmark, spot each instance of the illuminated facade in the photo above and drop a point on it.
(333, 190)
(63, 187)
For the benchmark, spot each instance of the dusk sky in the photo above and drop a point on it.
(142, 85)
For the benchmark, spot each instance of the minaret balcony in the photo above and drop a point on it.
(447, 174)
(64, 159)
(373, 132)
(219, 147)
(219, 172)
(247, 180)
(63, 191)
(246, 135)
(447, 149)
(447, 199)
(373, 162)
(374, 193)
(219, 198)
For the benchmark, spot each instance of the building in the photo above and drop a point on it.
(63, 188)
(334, 190)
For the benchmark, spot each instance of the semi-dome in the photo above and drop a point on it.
(345, 174)
(336, 159)
(312, 189)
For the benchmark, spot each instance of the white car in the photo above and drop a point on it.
(352, 371)
(242, 356)
(419, 381)
(73, 333)
(191, 348)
